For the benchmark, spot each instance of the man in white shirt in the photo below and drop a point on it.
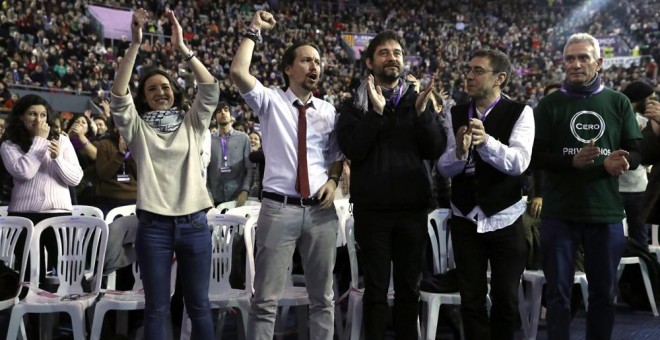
(492, 148)
(299, 183)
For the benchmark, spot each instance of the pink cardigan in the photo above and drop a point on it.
(40, 182)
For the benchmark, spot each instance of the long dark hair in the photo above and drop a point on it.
(140, 100)
(89, 133)
(16, 132)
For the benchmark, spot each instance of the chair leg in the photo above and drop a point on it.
(186, 326)
(97, 321)
(535, 308)
(432, 314)
(77, 324)
(647, 284)
(15, 322)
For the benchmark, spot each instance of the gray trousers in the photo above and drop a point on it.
(280, 228)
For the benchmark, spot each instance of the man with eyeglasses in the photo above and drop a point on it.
(388, 132)
(586, 138)
(491, 149)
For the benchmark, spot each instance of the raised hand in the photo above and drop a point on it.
(177, 32)
(375, 95)
(652, 111)
(463, 141)
(587, 155)
(263, 21)
(54, 148)
(479, 135)
(423, 98)
(41, 129)
(140, 17)
(616, 163)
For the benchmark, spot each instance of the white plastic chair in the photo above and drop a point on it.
(11, 229)
(344, 211)
(4, 210)
(438, 234)
(74, 235)
(534, 280)
(353, 327)
(291, 296)
(644, 271)
(246, 211)
(118, 212)
(124, 301)
(224, 206)
(115, 213)
(87, 210)
(654, 247)
(224, 227)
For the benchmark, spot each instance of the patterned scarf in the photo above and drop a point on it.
(164, 120)
(362, 96)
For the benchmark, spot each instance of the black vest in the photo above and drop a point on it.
(488, 188)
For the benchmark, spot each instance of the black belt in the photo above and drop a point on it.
(303, 202)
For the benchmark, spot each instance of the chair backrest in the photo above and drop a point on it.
(224, 206)
(224, 228)
(249, 237)
(246, 211)
(352, 253)
(654, 235)
(4, 210)
(74, 236)
(87, 210)
(440, 241)
(115, 213)
(11, 228)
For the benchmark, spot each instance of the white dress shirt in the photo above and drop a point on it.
(512, 159)
(279, 126)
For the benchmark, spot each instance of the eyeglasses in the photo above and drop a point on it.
(477, 71)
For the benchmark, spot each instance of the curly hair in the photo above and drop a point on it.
(16, 132)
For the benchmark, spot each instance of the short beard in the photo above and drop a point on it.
(308, 87)
(391, 76)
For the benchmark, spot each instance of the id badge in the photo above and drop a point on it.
(123, 178)
(225, 170)
(469, 169)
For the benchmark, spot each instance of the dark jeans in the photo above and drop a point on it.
(637, 229)
(603, 245)
(506, 251)
(158, 238)
(385, 239)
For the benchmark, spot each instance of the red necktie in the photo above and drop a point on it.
(302, 178)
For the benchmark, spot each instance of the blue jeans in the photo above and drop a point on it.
(158, 238)
(603, 245)
(280, 228)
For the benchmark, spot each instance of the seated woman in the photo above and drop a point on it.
(42, 163)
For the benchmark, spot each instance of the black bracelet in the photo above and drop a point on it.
(252, 37)
(189, 56)
(334, 178)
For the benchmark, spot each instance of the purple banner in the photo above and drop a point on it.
(116, 23)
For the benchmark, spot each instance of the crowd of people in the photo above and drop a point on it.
(205, 89)
(56, 47)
